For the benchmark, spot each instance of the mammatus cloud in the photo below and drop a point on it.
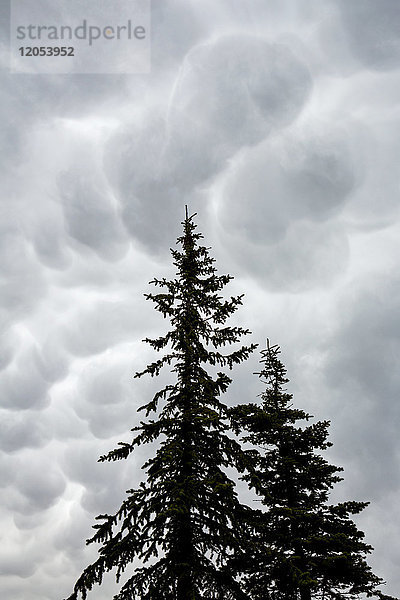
(372, 32)
(90, 215)
(296, 187)
(367, 341)
(228, 94)
(277, 122)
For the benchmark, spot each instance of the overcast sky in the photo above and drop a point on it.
(277, 121)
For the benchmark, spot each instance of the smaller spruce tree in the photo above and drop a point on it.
(300, 546)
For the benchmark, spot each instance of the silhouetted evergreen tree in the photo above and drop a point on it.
(301, 547)
(184, 522)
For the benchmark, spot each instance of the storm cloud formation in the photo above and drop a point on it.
(278, 123)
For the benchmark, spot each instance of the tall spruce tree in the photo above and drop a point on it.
(301, 547)
(184, 522)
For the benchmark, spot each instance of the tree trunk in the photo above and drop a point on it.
(185, 583)
(305, 594)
